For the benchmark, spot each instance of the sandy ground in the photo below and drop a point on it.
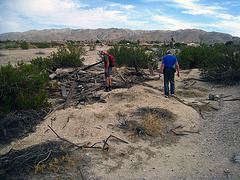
(204, 153)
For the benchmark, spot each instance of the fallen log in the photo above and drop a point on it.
(88, 67)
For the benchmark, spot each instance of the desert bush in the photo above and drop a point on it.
(8, 44)
(64, 57)
(24, 45)
(218, 63)
(193, 57)
(22, 87)
(132, 56)
(43, 44)
(92, 46)
(68, 56)
(43, 63)
(222, 65)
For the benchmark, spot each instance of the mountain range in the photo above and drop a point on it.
(115, 35)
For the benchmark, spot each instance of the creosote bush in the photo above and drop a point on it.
(219, 63)
(132, 56)
(69, 56)
(22, 87)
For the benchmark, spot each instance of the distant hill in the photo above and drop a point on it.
(114, 34)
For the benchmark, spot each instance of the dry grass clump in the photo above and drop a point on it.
(153, 123)
(150, 122)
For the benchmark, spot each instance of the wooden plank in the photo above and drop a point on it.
(64, 92)
(71, 92)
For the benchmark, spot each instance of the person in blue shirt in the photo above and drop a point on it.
(168, 62)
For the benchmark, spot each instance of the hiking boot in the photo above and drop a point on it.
(172, 95)
(107, 89)
(166, 96)
(110, 88)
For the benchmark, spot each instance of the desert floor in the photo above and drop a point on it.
(202, 148)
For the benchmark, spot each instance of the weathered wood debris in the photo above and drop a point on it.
(80, 85)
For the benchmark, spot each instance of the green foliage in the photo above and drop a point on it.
(43, 63)
(222, 65)
(68, 56)
(56, 44)
(132, 56)
(193, 57)
(43, 45)
(64, 57)
(218, 63)
(8, 44)
(24, 45)
(22, 88)
(125, 42)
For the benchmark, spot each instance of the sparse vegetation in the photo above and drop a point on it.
(22, 88)
(24, 45)
(132, 56)
(219, 63)
(65, 57)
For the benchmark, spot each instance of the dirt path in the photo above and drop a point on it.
(204, 153)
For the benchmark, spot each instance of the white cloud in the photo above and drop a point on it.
(128, 6)
(64, 13)
(170, 23)
(122, 6)
(231, 26)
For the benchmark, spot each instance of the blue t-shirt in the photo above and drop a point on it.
(169, 60)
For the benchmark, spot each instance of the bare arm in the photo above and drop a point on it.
(177, 65)
(161, 69)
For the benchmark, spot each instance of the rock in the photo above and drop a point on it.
(213, 97)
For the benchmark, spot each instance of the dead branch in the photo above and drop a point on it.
(63, 139)
(177, 134)
(120, 74)
(80, 172)
(193, 106)
(88, 67)
(191, 131)
(45, 158)
(234, 99)
(93, 146)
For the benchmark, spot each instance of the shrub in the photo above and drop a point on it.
(222, 65)
(43, 63)
(43, 44)
(219, 63)
(24, 45)
(68, 56)
(132, 56)
(193, 57)
(64, 57)
(22, 88)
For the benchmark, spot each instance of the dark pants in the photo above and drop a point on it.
(168, 77)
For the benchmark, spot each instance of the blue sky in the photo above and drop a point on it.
(209, 15)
